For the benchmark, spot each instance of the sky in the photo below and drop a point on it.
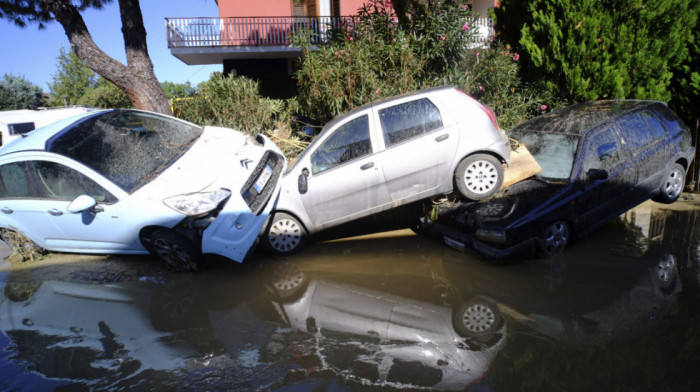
(32, 53)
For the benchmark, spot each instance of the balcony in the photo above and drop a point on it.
(211, 40)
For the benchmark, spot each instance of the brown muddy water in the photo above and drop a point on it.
(619, 310)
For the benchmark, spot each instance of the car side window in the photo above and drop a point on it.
(635, 132)
(349, 141)
(408, 120)
(657, 130)
(56, 181)
(603, 151)
(14, 183)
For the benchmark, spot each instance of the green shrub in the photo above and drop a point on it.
(491, 76)
(105, 95)
(235, 102)
(375, 57)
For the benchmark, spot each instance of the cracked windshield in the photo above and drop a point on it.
(350, 195)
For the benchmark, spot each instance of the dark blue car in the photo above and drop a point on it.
(598, 160)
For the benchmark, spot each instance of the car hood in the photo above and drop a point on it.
(520, 201)
(220, 158)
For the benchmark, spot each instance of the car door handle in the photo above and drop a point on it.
(367, 166)
(55, 212)
(7, 210)
(442, 138)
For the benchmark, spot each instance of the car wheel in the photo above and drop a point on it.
(672, 186)
(479, 176)
(477, 318)
(285, 235)
(553, 239)
(178, 252)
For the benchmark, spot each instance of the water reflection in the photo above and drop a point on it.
(387, 311)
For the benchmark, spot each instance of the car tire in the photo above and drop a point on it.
(285, 235)
(664, 273)
(477, 318)
(479, 176)
(177, 251)
(553, 239)
(672, 186)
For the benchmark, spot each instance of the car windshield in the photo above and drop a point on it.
(127, 147)
(553, 151)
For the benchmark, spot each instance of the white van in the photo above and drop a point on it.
(14, 123)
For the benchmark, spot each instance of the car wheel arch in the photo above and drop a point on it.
(456, 168)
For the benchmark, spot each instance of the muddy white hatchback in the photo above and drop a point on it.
(129, 182)
(386, 154)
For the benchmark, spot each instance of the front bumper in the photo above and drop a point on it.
(241, 220)
(463, 241)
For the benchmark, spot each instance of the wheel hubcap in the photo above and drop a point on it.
(674, 184)
(478, 318)
(481, 177)
(556, 238)
(285, 235)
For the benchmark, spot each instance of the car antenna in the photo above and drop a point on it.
(619, 92)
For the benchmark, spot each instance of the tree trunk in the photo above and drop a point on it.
(137, 79)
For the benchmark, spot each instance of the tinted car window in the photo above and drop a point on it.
(56, 181)
(602, 152)
(657, 130)
(408, 120)
(635, 131)
(13, 181)
(127, 147)
(349, 141)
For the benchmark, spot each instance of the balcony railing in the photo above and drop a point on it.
(267, 31)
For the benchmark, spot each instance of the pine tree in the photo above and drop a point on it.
(597, 49)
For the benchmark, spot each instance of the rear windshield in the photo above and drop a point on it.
(128, 147)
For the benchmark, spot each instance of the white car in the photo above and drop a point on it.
(386, 154)
(130, 182)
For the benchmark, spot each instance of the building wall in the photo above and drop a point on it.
(241, 8)
(244, 8)
(481, 7)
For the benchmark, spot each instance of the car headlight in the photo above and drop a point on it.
(194, 204)
(489, 235)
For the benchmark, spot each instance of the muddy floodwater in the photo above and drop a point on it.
(617, 311)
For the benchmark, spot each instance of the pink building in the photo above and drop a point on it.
(252, 38)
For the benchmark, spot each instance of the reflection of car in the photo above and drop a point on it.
(598, 160)
(126, 181)
(387, 154)
(380, 338)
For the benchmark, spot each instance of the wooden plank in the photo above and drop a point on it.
(522, 166)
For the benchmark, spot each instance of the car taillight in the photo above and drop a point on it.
(483, 107)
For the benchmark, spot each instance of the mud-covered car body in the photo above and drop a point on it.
(112, 182)
(599, 159)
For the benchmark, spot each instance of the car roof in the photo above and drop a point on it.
(577, 119)
(36, 140)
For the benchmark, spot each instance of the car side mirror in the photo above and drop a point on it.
(304, 181)
(597, 174)
(82, 203)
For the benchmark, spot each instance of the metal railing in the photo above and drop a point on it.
(268, 31)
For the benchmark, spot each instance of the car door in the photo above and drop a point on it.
(649, 154)
(606, 175)
(21, 207)
(345, 179)
(100, 229)
(418, 148)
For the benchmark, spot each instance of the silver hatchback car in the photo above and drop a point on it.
(386, 154)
